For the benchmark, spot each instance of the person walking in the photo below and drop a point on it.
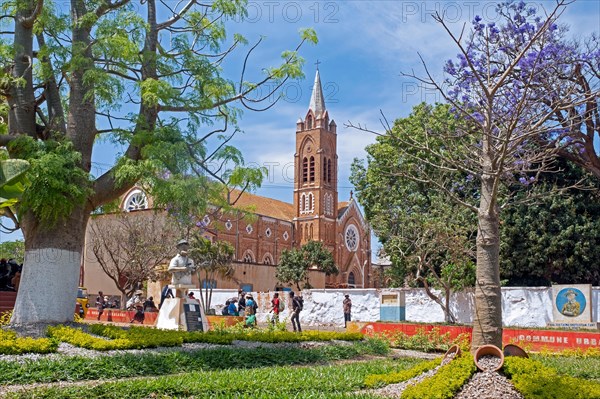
(100, 304)
(297, 304)
(347, 309)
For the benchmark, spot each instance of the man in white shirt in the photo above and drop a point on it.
(181, 265)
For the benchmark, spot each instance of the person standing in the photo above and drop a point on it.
(275, 303)
(347, 309)
(164, 294)
(241, 302)
(297, 304)
(250, 311)
(100, 304)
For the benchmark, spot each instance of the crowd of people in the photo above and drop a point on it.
(10, 274)
(243, 305)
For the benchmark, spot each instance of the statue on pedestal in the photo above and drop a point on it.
(181, 266)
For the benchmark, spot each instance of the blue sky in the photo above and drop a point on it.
(363, 47)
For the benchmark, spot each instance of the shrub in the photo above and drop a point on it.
(378, 380)
(10, 344)
(427, 341)
(536, 381)
(445, 383)
(82, 339)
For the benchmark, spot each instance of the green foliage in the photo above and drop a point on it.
(333, 381)
(56, 182)
(536, 381)
(575, 364)
(446, 382)
(414, 223)
(173, 362)
(5, 318)
(428, 238)
(426, 341)
(13, 180)
(212, 259)
(10, 344)
(13, 249)
(379, 380)
(554, 238)
(294, 263)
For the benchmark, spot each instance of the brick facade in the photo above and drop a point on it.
(315, 214)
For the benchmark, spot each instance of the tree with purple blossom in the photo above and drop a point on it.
(505, 104)
(497, 88)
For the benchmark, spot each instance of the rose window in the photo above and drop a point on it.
(351, 237)
(136, 201)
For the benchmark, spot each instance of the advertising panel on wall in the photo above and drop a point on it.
(572, 306)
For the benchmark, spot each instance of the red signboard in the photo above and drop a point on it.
(526, 338)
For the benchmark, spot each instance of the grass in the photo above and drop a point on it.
(155, 364)
(324, 381)
(574, 366)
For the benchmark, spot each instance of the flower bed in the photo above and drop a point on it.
(531, 339)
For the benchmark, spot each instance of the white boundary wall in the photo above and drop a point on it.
(521, 306)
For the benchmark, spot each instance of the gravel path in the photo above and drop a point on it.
(488, 385)
(395, 390)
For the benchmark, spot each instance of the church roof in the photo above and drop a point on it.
(317, 100)
(265, 206)
(342, 206)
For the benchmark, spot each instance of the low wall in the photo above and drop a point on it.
(526, 338)
(120, 316)
(522, 307)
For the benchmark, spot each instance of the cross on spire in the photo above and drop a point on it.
(317, 64)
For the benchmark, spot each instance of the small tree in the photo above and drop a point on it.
(212, 259)
(13, 249)
(294, 264)
(429, 239)
(130, 247)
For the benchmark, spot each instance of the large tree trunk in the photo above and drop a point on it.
(487, 321)
(48, 287)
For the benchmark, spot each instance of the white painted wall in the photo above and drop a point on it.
(523, 307)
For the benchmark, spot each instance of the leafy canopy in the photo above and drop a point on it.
(294, 264)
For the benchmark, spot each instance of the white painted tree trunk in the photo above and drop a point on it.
(48, 288)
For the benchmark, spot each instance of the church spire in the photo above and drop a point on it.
(317, 101)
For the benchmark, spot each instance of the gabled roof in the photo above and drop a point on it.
(265, 206)
(342, 206)
(344, 209)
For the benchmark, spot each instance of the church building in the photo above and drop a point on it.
(316, 214)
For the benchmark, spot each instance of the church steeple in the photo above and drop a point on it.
(315, 182)
(317, 101)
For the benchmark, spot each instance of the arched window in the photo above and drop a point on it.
(351, 279)
(306, 232)
(268, 259)
(311, 231)
(248, 257)
(329, 170)
(309, 203)
(309, 122)
(302, 204)
(135, 201)
(325, 169)
(312, 168)
(304, 170)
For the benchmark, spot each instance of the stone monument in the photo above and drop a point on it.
(181, 312)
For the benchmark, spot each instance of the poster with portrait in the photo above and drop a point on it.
(572, 304)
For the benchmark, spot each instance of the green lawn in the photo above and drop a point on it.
(574, 366)
(324, 381)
